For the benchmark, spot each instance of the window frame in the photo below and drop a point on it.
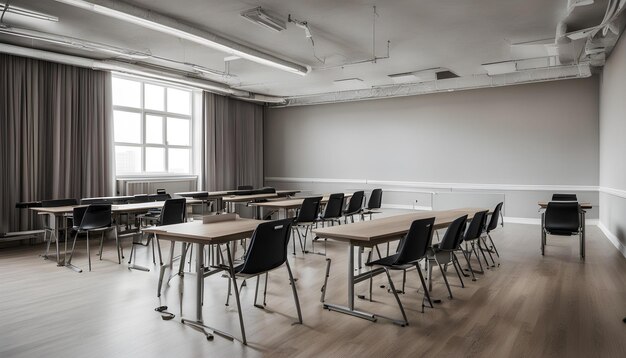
(144, 112)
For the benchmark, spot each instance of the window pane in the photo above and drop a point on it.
(155, 159)
(179, 160)
(127, 127)
(154, 129)
(177, 131)
(126, 93)
(178, 101)
(127, 159)
(154, 97)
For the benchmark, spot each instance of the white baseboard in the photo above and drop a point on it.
(612, 238)
(407, 207)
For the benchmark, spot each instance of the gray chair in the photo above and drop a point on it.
(413, 249)
(267, 252)
(563, 219)
(95, 218)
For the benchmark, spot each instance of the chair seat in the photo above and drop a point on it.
(562, 232)
(389, 262)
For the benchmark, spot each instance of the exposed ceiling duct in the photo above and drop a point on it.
(137, 70)
(447, 85)
(155, 21)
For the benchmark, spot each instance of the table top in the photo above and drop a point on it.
(115, 208)
(544, 204)
(246, 198)
(213, 233)
(222, 193)
(291, 203)
(389, 228)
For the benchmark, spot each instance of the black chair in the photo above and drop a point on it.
(355, 206)
(375, 202)
(564, 197)
(472, 236)
(493, 224)
(306, 218)
(90, 219)
(173, 212)
(245, 187)
(443, 253)
(48, 232)
(267, 252)
(413, 249)
(563, 219)
(332, 214)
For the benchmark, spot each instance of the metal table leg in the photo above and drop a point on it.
(198, 323)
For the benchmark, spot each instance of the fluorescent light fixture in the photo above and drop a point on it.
(73, 42)
(349, 83)
(231, 58)
(405, 77)
(261, 17)
(154, 21)
(499, 68)
(29, 13)
(209, 71)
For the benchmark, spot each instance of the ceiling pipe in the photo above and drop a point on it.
(120, 67)
(155, 21)
(447, 85)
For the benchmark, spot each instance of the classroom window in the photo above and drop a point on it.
(152, 127)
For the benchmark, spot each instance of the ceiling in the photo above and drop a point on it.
(423, 34)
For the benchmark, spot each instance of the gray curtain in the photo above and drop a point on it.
(55, 133)
(233, 143)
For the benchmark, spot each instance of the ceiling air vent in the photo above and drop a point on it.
(265, 19)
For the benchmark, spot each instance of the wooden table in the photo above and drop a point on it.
(289, 204)
(58, 213)
(217, 196)
(374, 232)
(200, 234)
(583, 221)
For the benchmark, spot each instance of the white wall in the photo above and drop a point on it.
(613, 146)
(499, 140)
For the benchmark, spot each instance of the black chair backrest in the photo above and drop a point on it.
(173, 212)
(245, 187)
(376, 199)
(416, 242)
(334, 206)
(452, 238)
(268, 247)
(77, 215)
(158, 197)
(58, 202)
(493, 223)
(265, 190)
(356, 202)
(562, 218)
(96, 216)
(476, 226)
(309, 210)
(564, 197)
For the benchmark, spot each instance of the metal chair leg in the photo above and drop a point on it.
(234, 279)
(493, 245)
(120, 253)
(426, 293)
(469, 265)
(326, 276)
(265, 290)
(395, 294)
(295, 291)
(493, 262)
(101, 244)
(455, 262)
(88, 251)
(445, 278)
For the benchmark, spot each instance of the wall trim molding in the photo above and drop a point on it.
(615, 192)
(612, 238)
(440, 186)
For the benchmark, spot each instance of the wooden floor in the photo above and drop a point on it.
(530, 306)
